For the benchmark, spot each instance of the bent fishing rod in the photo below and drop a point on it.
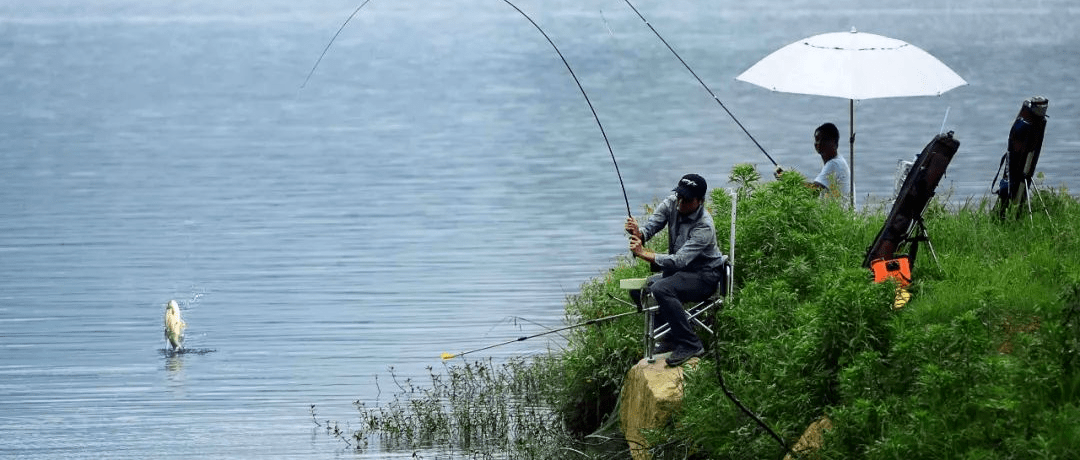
(446, 356)
(567, 64)
(646, 21)
(582, 88)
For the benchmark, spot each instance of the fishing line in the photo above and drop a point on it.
(317, 61)
(606, 24)
(446, 356)
(702, 83)
(602, 132)
(572, 74)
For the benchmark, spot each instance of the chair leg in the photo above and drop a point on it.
(698, 314)
(695, 313)
(650, 340)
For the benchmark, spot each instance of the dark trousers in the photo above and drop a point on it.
(670, 291)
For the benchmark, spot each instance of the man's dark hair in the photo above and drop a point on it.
(829, 132)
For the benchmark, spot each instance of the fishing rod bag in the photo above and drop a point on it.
(1022, 154)
(918, 188)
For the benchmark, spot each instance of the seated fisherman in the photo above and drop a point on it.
(690, 271)
(835, 176)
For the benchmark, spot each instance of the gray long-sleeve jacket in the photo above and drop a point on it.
(691, 239)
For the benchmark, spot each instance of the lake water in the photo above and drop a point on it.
(439, 185)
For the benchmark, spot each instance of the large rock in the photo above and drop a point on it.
(811, 439)
(650, 394)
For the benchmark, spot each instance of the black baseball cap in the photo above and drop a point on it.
(691, 186)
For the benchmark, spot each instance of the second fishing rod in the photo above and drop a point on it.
(787, 449)
(702, 82)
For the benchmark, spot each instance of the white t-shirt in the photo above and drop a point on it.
(835, 171)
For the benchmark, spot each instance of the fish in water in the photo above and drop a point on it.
(174, 326)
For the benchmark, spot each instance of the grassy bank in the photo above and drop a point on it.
(982, 363)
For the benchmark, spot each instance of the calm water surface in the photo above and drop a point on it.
(439, 185)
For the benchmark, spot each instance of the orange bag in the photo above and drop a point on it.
(898, 269)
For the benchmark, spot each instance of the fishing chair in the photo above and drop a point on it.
(699, 314)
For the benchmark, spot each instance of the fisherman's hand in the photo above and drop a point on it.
(632, 228)
(635, 246)
(779, 171)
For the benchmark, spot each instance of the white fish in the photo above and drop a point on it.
(174, 326)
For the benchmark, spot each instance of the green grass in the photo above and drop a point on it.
(978, 365)
(982, 363)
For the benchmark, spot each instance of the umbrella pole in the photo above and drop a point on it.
(851, 151)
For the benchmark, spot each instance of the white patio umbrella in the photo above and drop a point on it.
(854, 66)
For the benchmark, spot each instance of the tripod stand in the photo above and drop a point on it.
(1021, 199)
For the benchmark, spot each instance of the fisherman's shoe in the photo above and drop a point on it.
(681, 356)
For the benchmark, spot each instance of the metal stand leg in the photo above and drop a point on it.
(931, 246)
(1023, 201)
(923, 235)
(649, 340)
(1038, 195)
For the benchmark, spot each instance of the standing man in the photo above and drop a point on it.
(692, 268)
(834, 180)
